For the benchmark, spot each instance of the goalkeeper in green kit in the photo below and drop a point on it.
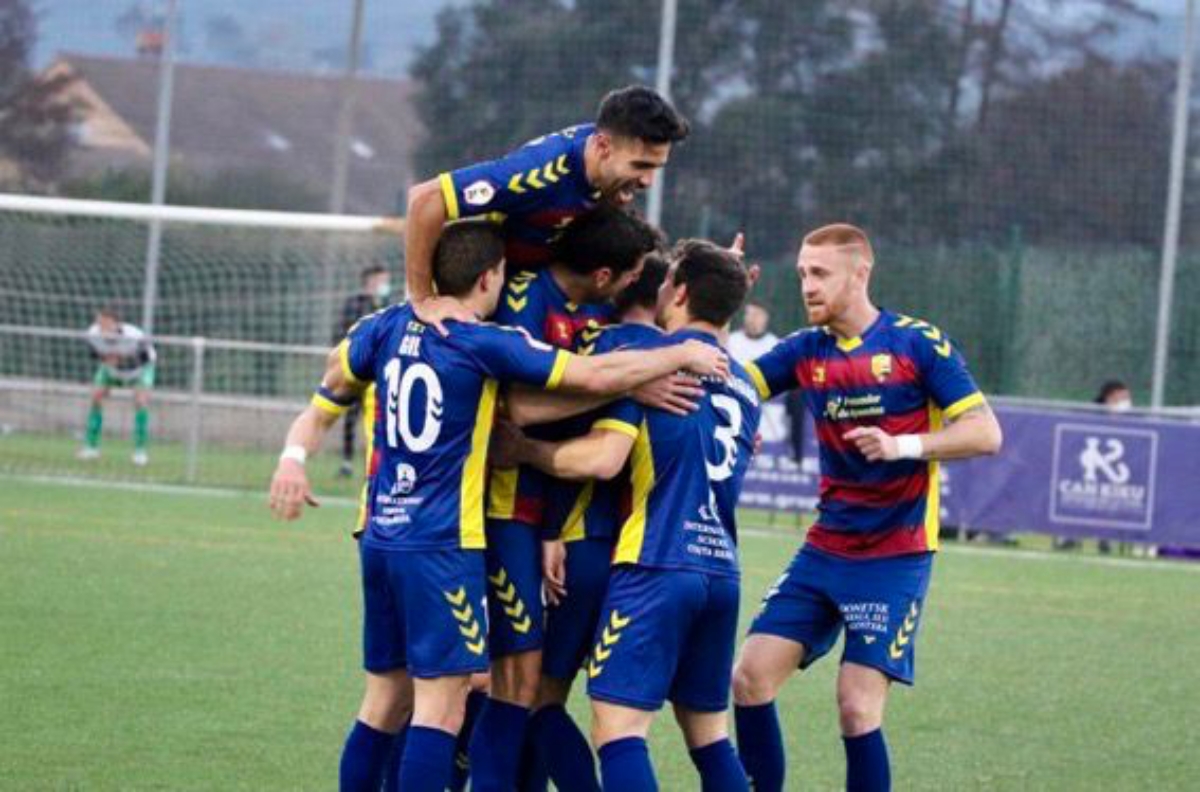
(126, 360)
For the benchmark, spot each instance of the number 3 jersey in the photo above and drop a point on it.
(687, 473)
(435, 400)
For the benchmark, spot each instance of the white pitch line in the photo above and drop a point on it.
(1147, 564)
(162, 489)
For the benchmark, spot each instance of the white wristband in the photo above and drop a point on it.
(909, 446)
(296, 453)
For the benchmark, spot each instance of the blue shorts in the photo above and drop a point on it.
(665, 634)
(423, 611)
(879, 601)
(514, 573)
(571, 624)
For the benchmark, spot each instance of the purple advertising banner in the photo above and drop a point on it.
(1062, 472)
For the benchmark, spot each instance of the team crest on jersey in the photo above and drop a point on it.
(479, 193)
(818, 374)
(881, 367)
(560, 331)
(406, 479)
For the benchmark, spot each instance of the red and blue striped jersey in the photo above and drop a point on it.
(435, 400)
(534, 302)
(533, 192)
(902, 375)
(687, 473)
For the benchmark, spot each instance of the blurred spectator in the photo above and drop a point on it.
(752, 340)
(374, 290)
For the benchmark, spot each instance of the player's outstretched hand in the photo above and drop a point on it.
(678, 394)
(290, 490)
(436, 310)
(506, 446)
(738, 248)
(706, 359)
(874, 443)
(554, 570)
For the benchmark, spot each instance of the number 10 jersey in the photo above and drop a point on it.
(436, 397)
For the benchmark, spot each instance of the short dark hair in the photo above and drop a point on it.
(371, 272)
(110, 311)
(715, 278)
(466, 250)
(640, 112)
(643, 292)
(1108, 389)
(605, 236)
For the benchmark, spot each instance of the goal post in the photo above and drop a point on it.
(247, 304)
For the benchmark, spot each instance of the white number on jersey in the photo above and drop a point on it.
(726, 437)
(399, 407)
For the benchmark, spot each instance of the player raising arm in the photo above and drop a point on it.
(891, 397)
(421, 553)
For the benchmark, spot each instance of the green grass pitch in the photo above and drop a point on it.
(156, 640)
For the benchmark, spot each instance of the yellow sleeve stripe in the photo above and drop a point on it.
(327, 406)
(560, 367)
(962, 405)
(344, 356)
(760, 382)
(613, 425)
(449, 195)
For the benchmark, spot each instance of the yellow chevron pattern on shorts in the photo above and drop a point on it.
(609, 637)
(514, 608)
(468, 625)
(905, 633)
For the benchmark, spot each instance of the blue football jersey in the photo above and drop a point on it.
(902, 375)
(534, 302)
(436, 397)
(533, 192)
(687, 474)
(596, 509)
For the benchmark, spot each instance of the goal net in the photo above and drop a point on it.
(241, 306)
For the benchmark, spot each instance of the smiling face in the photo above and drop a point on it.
(626, 166)
(833, 279)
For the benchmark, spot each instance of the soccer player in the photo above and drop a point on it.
(596, 257)
(534, 191)
(576, 580)
(374, 290)
(669, 619)
(126, 360)
(422, 560)
(892, 397)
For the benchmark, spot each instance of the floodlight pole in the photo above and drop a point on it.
(345, 119)
(1170, 249)
(162, 152)
(666, 61)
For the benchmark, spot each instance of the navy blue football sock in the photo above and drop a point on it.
(428, 760)
(563, 749)
(364, 759)
(625, 765)
(531, 770)
(391, 776)
(462, 760)
(719, 768)
(496, 746)
(760, 745)
(867, 767)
